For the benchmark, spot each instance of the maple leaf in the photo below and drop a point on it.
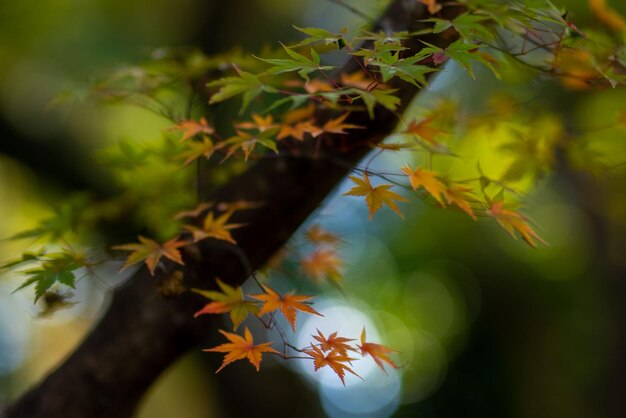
(316, 235)
(287, 303)
(195, 212)
(56, 268)
(457, 195)
(375, 197)
(259, 123)
(357, 79)
(336, 126)
(247, 142)
(432, 5)
(424, 130)
(333, 342)
(333, 359)
(426, 179)
(316, 85)
(298, 130)
(379, 352)
(212, 227)
(322, 263)
(230, 300)
(297, 115)
(150, 252)
(513, 221)
(197, 149)
(394, 146)
(240, 348)
(192, 128)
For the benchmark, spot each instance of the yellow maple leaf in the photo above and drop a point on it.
(458, 195)
(228, 299)
(212, 227)
(426, 179)
(375, 197)
(197, 149)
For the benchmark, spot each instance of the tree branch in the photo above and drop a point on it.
(142, 334)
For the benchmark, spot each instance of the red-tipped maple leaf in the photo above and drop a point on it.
(333, 342)
(322, 263)
(230, 299)
(192, 128)
(375, 197)
(426, 179)
(513, 221)
(151, 252)
(240, 348)
(333, 359)
(288, 304)
(378, 352)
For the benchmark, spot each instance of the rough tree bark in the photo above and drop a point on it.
(141, 334)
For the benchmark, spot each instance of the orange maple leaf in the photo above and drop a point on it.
(217, 228)
(358, 79)
(433, 6)
(299, 114)
(260, 123)
(513, 221)
(424, 130)
(336, 126)
(298, 130)
(426, 179)
(195, 212)
(192, 128)
(333, 359)
(316, 235)
(287, 303)
(607, 16)
(322, 263)
(316, 85)
(379, 352)
(333, 342)
(240, 348)
(230, 299)
(151, 252)
(375, 197)
(457, 195)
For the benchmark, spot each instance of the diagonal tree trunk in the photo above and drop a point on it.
(141, 334)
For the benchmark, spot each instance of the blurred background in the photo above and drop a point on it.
(486, 326)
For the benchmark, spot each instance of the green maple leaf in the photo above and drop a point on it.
(57, 268)
(298, 62)
(249, 85)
